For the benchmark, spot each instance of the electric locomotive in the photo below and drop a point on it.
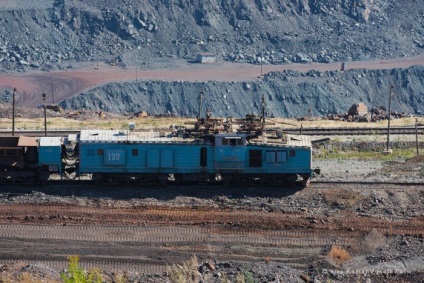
(203, 155)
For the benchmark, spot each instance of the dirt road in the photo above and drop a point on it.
(126, 236)
(65, 84)
(336, 232)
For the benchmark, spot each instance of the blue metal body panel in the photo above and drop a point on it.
(50, 153)
(114, 157)
(142, 158)
(274, 160)
(50, 156)
(226, 154)
(230, 157)
(281, 160)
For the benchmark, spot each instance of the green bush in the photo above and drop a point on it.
(76, 274)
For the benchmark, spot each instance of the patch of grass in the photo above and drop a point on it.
(248, 277)
(186, 273)
(76, 274)
(25, 277)
(245, 277)
(68, 123)
(338, 255)
(365, 155)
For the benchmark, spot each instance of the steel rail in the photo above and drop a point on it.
(24, 188)
(356, 131)
(304, 131)
(376, 183)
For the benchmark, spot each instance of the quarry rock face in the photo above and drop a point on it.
(288, 94)
(45, 35)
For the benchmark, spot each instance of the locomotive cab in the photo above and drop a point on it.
(230, 152)
(50, 156)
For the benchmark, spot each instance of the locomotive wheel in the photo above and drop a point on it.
(306, 182)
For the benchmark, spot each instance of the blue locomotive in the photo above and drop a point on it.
(201, 156)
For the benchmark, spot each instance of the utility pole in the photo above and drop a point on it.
(309, 111)
(388, 123)
(416, 135)
(200, 105)
(13, 111)
(261, 61)
(45, 114)
(263, 112)
(52, 89)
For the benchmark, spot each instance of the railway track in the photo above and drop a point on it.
(76, 185)
(356, 131)
(304, 131)
(375, 184)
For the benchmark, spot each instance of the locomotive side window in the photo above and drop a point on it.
(270, 156)
(255, 158)
(100, 151)
(292, 153)
(203, 156)
(232, 141)
(278, 156)
(134, 151)
(281, 156)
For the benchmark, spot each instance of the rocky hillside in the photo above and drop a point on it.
(46, 34)
(287, 94)
(61, 34)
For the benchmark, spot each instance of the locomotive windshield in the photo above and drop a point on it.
(230, 140)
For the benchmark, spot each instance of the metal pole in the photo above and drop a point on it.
(13, 111)
(45, 115)
(200, 105)
(52, 90)
(261, 63)
(136, 74)
(416, 135)
(263, 112)
(388, 124)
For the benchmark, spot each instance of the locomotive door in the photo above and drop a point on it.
(230, 152)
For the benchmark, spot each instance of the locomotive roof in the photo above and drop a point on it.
(50, 141)
(87, 136)
(130, 136)
(298, 140)
(286, 140)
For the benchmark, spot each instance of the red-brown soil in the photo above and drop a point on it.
(65, 84)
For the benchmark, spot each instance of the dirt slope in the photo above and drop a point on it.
(66, 84)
